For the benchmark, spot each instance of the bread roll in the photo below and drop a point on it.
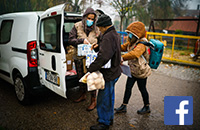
(94, 75)
(97, 81)
(90, 82)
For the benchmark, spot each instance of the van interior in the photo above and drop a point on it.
(71, 77)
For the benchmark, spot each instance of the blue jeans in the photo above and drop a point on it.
(105, 102)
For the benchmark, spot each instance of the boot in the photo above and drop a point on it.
(93, 104)
(82, 98)
(121, 109)
(99, 126)
(111, 121)
(144, 110)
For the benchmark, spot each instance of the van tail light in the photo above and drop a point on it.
(53, 13)
(32, 54)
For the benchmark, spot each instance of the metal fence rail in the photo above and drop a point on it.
(174, 36)
(175, 45)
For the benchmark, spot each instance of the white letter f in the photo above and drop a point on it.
(181, 111)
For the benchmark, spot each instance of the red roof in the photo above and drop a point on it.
(186, 26)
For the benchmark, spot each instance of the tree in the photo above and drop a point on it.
(145, 10)
(75, 4)
(9, 6)
(122, 7)
(141, 11)
(160, 9)
(100, 3)
(179, 6)
(14, 6)
(83, 3)
(129, 16)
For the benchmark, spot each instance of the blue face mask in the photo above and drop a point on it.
(89, 23)
(130, 35)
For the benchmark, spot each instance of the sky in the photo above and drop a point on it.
(193, 4)
(106, 8)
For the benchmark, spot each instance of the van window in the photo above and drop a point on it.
(5, 31)
(50, 34)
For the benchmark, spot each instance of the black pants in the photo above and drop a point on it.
(142, 87)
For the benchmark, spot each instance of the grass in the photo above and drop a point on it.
(180, 54)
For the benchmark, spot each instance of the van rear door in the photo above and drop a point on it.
(51, 52)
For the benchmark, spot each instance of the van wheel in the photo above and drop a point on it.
(21, 90)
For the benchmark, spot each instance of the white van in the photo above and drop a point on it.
(32, 51)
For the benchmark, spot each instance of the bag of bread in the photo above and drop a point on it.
(84, 78)
(95, 81)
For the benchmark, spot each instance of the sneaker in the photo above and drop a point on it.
(144, 110)
(121, 109)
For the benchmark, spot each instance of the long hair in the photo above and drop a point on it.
(84, 24)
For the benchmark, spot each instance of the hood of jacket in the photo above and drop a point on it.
(137, 29)
(89, 11)
(93, 27)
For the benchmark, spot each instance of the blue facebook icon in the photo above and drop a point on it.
(178, 110)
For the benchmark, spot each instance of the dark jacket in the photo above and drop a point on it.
(73, 33)
(109, 49)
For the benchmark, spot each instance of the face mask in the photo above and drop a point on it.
(131, 38)
(130, 35)
(89, 23)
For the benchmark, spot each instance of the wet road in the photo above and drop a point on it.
(52, 112)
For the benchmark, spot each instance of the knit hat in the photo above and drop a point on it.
(99, 12)
(137, 29)
(103, 21)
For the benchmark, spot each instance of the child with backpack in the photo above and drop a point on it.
(137, 56)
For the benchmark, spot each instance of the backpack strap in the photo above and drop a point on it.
(146, 44)
(149, 44)
(132, 47)
(144, 58)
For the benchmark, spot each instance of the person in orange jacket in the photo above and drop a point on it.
(140, 69)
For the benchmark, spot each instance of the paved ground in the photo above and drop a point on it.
(50, 111)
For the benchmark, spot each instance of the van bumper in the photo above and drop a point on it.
(33, 81)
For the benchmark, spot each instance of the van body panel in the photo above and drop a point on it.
(19, 67)
(51, 52)
(4, 59)
(25, 33)
(6, 53)
(13, 54)
(59, 9)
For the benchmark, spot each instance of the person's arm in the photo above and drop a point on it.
(98, 40)
(73, 38)
(135, 53)
(106, 51)
(124, 47)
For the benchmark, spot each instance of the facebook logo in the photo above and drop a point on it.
(178, 110)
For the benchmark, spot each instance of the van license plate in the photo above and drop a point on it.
(52, 77)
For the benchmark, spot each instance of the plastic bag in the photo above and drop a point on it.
(95, 81)
(84, 78)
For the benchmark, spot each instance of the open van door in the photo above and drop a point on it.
(51, 53)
